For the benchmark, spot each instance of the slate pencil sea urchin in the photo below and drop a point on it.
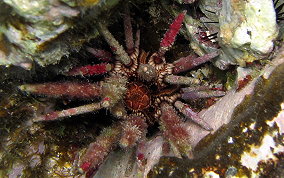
(139, 89)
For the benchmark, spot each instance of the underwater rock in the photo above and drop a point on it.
(37, 30)
(131, 163)
(244, 31)
(211, 9)
(249, 25)
(185, 1)
(248, 132)
(247, 29)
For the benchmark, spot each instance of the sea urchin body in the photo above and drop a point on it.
(140, 89)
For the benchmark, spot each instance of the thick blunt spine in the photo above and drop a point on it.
(59, 89)
(190, 95)
(98, 150)
(97, 69)
(174, 131)
(134, 128)
(186, 63)
(102, 55)
(68, 112)
(128, 31)
(170, 35)
(190, 114)
(180, 80)
(114, 45)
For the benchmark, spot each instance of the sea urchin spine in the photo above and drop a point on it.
(115, 46)
(171, 34)
(190, 114)
(102, 55)
(96, 69)
(191, 61)
(59, 89)
(174, 131)
(191, 93)
(99, 149)
(69, 112)
(133, 129)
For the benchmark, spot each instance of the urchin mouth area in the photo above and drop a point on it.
(137, 97)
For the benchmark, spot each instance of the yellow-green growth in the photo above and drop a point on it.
(114, 88)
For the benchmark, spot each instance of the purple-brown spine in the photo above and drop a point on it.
(59, 89)
(190, 114)
(98, 150)
(171, 34)
(133, 129)
(173, 129)
(68, 112)
(101, 54)
(191, 61)
(96, 69)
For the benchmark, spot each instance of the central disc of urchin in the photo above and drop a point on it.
(137, 96)
(146, 72)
